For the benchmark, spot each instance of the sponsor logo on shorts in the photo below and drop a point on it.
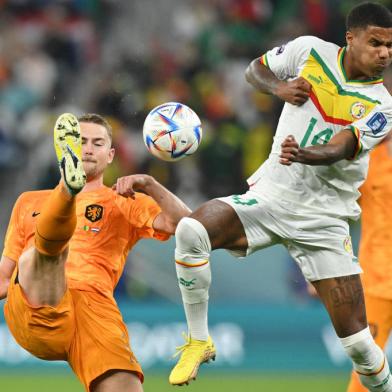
(187, 283)
(35, 213)
(94, 212)
(357, 110)
(348, 247)
(237, 199)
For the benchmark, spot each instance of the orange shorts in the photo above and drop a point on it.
(85, 328)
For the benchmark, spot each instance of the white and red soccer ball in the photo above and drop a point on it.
(172, 131)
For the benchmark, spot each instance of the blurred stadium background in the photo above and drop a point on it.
(120, 59)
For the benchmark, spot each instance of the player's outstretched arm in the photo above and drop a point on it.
(342, 146)
(296, 91)
(173, 209)
(7, 267)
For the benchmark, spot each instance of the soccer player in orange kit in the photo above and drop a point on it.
(375, 252)
(65, 250)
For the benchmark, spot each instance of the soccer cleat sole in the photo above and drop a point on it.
(68, 146)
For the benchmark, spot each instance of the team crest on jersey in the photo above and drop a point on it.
(348, 247)
(94, 212)
(357, 110)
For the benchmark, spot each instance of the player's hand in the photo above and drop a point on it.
(128, 185)
(296, 91)
(289, 151)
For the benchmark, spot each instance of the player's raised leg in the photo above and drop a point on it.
(41, 269)
(344, 300)
(214, 225)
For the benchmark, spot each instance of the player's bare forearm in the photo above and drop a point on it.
(319, 155)
(341, 146)
(261, 78)
(295, 91)
(173, 209)
(7, 267)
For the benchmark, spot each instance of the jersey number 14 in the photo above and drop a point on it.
(321, 137)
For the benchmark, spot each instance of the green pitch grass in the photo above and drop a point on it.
(18, 382)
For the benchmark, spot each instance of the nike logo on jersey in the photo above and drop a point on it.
(34, 214)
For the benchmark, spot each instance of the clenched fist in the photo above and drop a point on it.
(296, 91)
(289, 151)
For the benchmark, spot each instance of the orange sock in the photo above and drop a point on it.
(56, 223)
(355, 385)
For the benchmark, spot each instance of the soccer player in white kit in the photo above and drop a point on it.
(336, 110)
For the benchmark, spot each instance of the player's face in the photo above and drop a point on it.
(96, 148)
(371, 49)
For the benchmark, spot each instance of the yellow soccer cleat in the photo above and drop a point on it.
(193, 354)
(68, 147)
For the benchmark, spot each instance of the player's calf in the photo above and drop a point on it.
(194, 274)
(192, 253)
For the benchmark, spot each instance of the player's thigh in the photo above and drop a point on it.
(322, 249)
(101, 342)
(44, 331)
(344, 300)
(42, 277)
(379, 315)
(117, 380)
(240, 223)
(223, 225)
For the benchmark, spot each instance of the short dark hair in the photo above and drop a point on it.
(369, 14)
(97, 119)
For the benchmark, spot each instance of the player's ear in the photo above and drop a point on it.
(349, 38)
(111, 155)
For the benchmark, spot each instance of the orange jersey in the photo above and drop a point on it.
(375, 253)
(108, 226)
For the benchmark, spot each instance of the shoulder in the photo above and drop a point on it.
(384, 96)
(127, 203)
(32, 196)
(313, 42)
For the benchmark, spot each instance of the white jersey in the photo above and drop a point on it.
(335, 103)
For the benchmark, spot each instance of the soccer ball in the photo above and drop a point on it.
(172, 131)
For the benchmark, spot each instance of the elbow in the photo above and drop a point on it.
(249, 72)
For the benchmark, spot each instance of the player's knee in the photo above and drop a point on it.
(192, 241)
(193, 248)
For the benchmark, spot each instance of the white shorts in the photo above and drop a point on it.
(320, 244)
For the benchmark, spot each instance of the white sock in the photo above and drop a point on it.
(194, 284)
(196, 315)
(193, 269)
(369, 361)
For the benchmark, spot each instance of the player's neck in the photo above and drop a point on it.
(351, 68)
(93, 184)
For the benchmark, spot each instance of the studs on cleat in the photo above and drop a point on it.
(67, 141)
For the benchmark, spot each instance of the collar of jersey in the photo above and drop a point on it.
(341, 53)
